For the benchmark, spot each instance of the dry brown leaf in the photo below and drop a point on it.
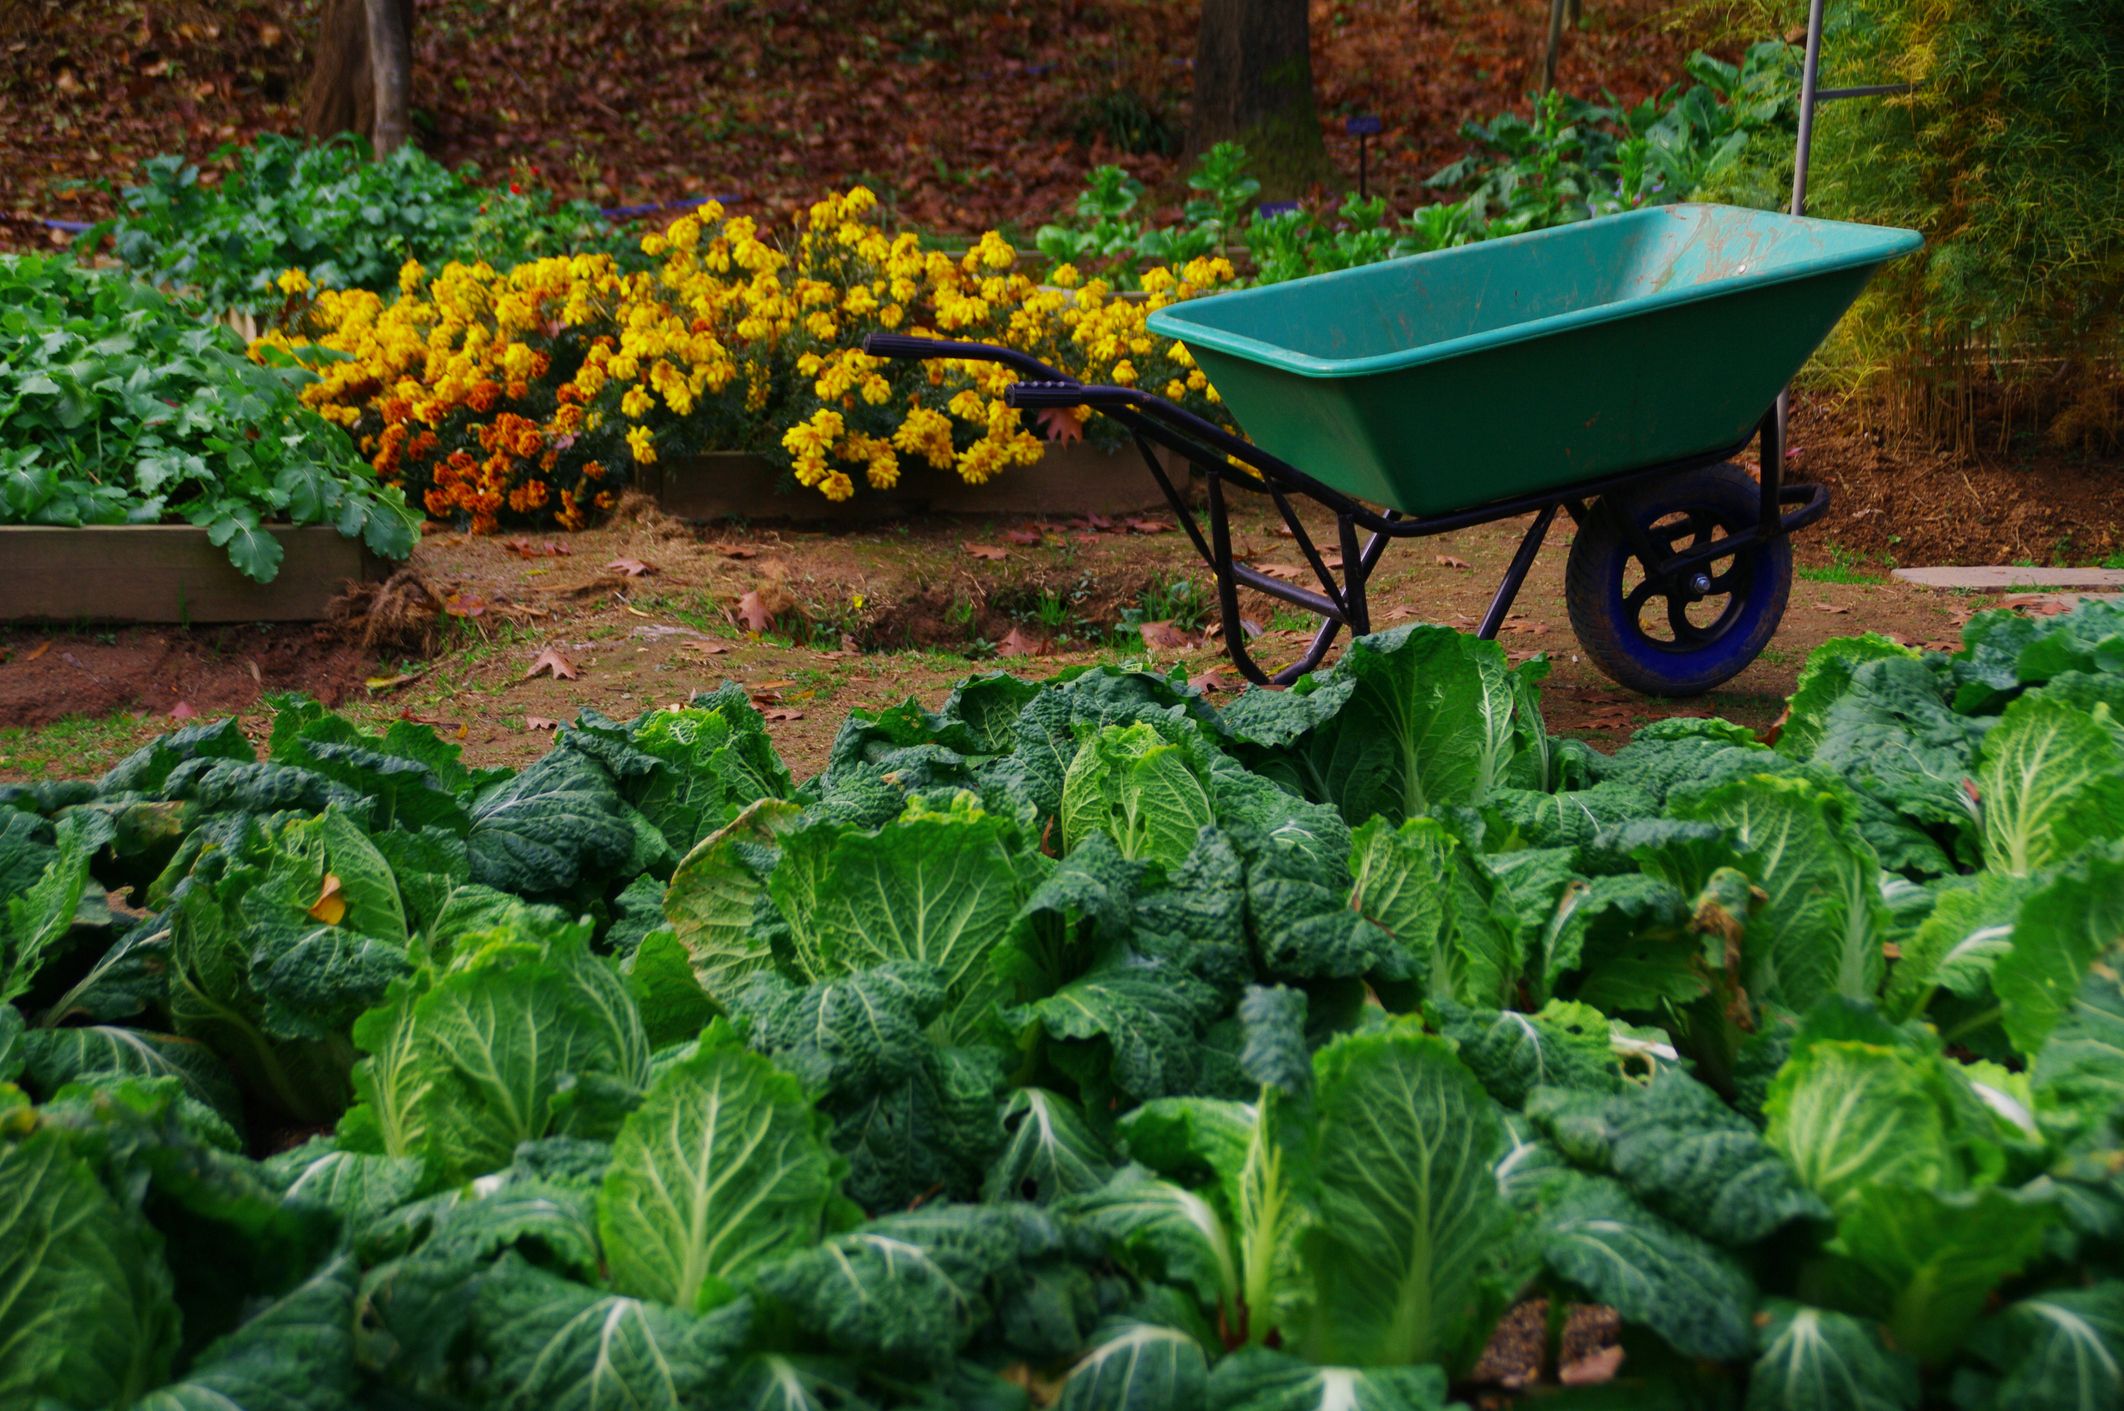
(1062, 425)
(1024, 536)
(330, 906)
(777, 714)
(986, 551)
(1834, 607)
(183, 711)
(539, 722)
(1280, 570)
(1213, 679)
(631, 568)
(1097, 521)
(37, 651)
(386, 683)
(714, 649)
(1595, 1367)
(779, 683)
(1019, 643)
(1449, 561)
(1163, 636)
(752, 613)
(553, 662)
(735, 551)
(1150, 526)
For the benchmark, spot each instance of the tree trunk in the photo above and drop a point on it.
(351, 92)
(1254, 84)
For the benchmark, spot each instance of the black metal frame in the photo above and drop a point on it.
(1213, 451)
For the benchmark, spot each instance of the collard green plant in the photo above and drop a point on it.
(330, 211)
(1069, 1035)
(119, 407)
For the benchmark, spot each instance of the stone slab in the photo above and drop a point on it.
(2001, 578)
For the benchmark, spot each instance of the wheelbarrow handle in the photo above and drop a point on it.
(901, 345)
(1040, 396)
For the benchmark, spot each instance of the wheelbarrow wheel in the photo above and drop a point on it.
(1680, 637)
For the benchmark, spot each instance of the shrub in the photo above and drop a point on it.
(528, 396)
(2010, 157)
(118, 407)
(327, 209)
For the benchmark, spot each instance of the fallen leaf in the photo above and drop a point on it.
(1098, 521)
(1449, 561)
(1164, 636)
(714, 649)
(1595, 1367)
(330, 906)
(777, 714)
(183, 711)
(1150, 526)
(554, 663)
(458, 605)
(1024, 536)
(1019, 643)
(1063, 425)
(37, 651)
(1834, 607)
(539, 722)
(986, 551)
(257, 676)
(753, 614)
(1213, 679)
(631, 568)
(779, 683)
(1280, 570)
(385, 683)
(1531, 629)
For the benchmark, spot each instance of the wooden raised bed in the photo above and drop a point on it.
(169, 573)
(1078, 479)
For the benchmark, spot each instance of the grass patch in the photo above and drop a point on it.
(78, 747)
(1844, 566)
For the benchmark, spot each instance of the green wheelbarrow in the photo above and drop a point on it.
(1611, 369)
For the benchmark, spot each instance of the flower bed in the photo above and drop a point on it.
(119, 407)
(529, 396)
(1085, 1036)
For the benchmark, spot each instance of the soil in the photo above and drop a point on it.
(817, 621)
(1516, 1357)
(770, 101)
(1899, 502)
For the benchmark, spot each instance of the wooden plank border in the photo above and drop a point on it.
(1079, 479)
(169, 573)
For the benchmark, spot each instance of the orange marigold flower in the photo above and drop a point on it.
(481, 397)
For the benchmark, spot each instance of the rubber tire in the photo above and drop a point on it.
(1593, 591)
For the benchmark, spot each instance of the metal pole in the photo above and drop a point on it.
(1809, 67)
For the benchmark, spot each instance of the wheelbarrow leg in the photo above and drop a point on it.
(1516, 575)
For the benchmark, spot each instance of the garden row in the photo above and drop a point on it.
(1079, 1043)
(503, 359)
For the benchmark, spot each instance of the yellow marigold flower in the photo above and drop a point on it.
(1124, 373)
(642, 442)
(837, 486)
(292, 282)
(410, 274)
(635, 404)
(1175, 390)
(654, 245)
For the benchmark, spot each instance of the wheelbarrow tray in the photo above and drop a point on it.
(1453, 379)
